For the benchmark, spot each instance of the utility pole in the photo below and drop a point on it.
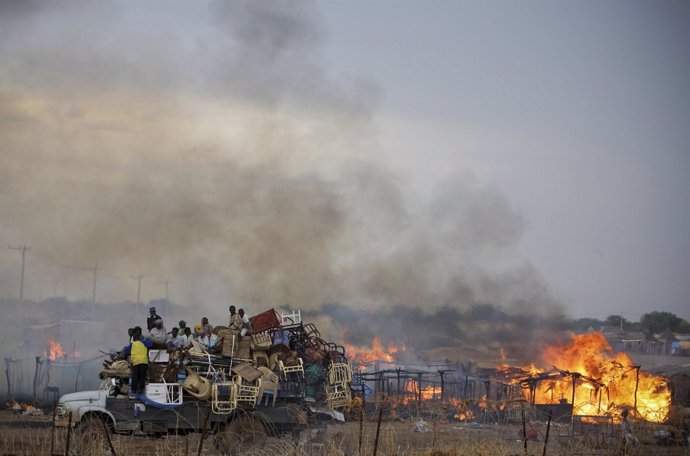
(93, 293)
(23, 249)
(166, 283)
(167, 295)
(138, 278)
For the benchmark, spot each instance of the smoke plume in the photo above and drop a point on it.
(206, 144)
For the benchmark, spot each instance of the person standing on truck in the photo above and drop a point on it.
(245, 322)
(158, 333)
(206, 327)
(175, 341)
(138, 351)
(151, 319)
(235, 321)
(187, 336)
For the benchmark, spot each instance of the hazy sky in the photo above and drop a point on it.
(532, 155)
(578, 112)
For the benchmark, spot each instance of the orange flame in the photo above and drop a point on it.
(622, 384)
(428, 393)
(377, 352)
(55, 351)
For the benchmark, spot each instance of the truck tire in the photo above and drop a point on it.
(88, 437)
(245, 431)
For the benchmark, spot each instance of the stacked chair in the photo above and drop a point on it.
(338, 391)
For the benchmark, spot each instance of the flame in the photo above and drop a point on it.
(464, 415)
(428, 393)
(12, 404)
(55, 351)
(377, 352)
(604, 381)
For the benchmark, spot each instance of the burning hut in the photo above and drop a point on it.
(584, 378)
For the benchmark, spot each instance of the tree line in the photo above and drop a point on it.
(654, 322)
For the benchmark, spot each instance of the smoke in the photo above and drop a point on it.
(206, 144)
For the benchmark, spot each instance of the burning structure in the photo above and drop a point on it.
(582, 378)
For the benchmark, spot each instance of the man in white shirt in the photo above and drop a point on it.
(158, 332)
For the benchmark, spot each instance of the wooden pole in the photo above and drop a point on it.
(52, 429)
(38, 364)
(76, 380)
(7, 374)
(546, 438)
(364, 395)
(69, 433)
(107, 437)
(524, 428)
(203, 433)
(637, 384)
(361, 427)
(378, 429)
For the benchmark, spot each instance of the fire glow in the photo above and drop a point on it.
(604, 381)
(377, 352)
(56, 352)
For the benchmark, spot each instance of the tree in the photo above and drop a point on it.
(615, 320)
(583, 324)
(657, 322)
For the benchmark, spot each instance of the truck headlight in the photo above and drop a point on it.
(61, 411)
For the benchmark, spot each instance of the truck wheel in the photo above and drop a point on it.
(244, 432)
(88, 438)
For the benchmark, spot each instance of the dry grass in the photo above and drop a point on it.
(395, 439)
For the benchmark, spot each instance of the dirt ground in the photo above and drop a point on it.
(22, 435)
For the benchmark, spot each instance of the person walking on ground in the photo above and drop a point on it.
(628, 434)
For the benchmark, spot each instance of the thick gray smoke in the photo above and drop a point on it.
(204, 143)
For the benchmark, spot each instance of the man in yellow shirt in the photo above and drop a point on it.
(138, 351)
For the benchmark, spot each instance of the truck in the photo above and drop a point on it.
(231, 417)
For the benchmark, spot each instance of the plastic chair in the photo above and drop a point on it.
(338, 395)
(260, 359)
(298, 368)
(223, 397)
(339, 373)
(197, 386)
(270, 382)
(292, 318)
(247, 392)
